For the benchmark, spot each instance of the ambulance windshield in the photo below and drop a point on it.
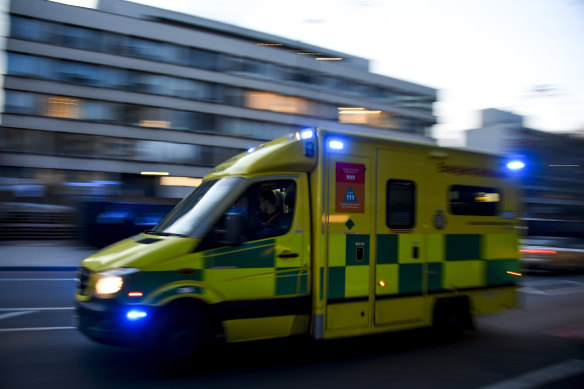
(194, 210)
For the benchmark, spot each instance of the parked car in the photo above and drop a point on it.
(553, 254)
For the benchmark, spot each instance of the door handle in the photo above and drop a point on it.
(415, 252)
(288, 254)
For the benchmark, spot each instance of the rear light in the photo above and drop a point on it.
(529, 251)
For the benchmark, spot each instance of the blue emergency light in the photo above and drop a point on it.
(336, 145)
(306, 134)
(136, 314)
(515, 165)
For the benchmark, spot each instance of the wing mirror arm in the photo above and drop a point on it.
(232, 235)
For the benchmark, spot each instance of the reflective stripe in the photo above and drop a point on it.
(452, 261)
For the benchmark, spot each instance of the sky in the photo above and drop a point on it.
(523, 56)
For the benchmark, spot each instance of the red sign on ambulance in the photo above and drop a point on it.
(350, 188)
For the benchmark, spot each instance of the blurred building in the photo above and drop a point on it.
(95, 97)
(553, 180)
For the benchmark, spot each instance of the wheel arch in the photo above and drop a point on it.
(459, 303)
(185, 306)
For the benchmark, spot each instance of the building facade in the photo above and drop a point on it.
(95, 97)
(553, 180)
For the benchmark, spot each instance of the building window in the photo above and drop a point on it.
(473, 200)
(144, 48)
(276, 102)
(30, 29)
(63, 107)
(20, 65)
(20, 103)
(92, 146)
(148, 83)
(80, 38)
(401, 204)
(414, 102)
(368, 117)
(114, 78)
(252, 128)
(79, 73)
(202, 59)
(98, 111)
(245, 66)
(74, 145)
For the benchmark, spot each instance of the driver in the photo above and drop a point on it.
(275, 222)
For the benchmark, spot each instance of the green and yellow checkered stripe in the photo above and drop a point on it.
(453, 262)
(348, 276)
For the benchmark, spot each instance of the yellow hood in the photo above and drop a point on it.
(141, 251)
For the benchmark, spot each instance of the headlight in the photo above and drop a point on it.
(110, 282)
(108, 285)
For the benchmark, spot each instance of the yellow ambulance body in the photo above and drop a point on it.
(375, 235)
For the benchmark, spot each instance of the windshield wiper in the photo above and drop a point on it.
(161, 233)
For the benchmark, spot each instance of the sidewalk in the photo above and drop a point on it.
(42, 255)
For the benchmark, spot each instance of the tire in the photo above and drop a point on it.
(182, 342)
(451, 317)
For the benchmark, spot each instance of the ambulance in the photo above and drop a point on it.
(320, 233)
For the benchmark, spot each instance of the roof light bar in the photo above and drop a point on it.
(336, 145)
(306, 134)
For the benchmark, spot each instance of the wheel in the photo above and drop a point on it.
(182, 342)
(451, 317)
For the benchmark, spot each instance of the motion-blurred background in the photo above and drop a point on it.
(112, 113)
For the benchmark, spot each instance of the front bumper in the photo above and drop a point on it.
(105, 321)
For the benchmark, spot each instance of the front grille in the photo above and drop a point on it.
(82, 279)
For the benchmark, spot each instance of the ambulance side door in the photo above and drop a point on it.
(399, 232)
(349, 228)
(264, 279)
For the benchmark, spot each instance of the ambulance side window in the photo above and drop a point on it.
(401, 204)
(474, 200)
(265, 210)
(273, 208)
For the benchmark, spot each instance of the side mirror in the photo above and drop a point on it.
(232, 234)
